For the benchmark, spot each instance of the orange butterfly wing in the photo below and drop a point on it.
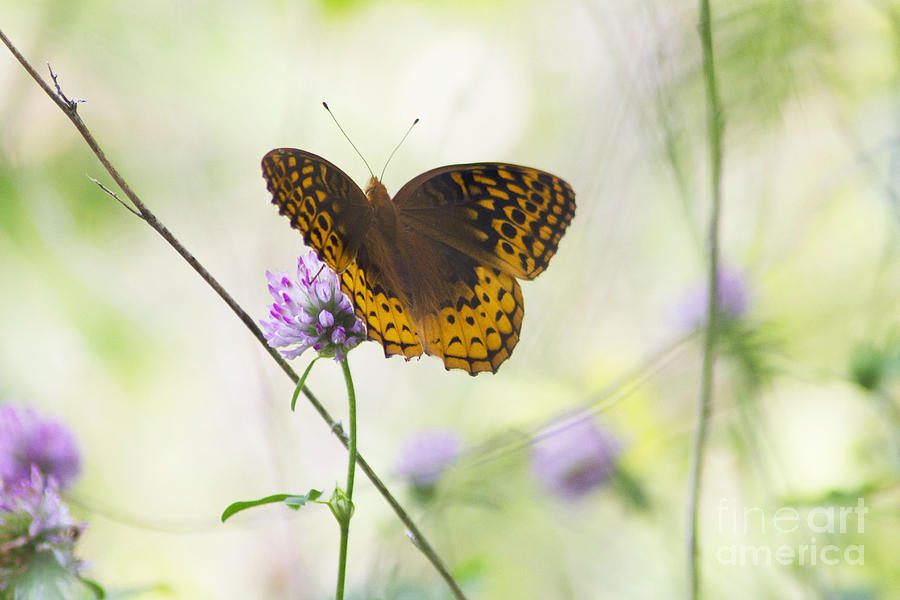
(334, 216)
(506, 216)
(387, 322)
(478, 327)
(440, 276)
(501, 221)
(322, 202)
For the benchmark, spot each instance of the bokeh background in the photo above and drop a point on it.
(178, 411)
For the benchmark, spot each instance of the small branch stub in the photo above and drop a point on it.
(116, 196)
(72, 104)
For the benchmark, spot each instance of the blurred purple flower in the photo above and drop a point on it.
(424, 456)
(27, 440)
(314, 314)
(732, 300)
(575, 458)
(33, 519)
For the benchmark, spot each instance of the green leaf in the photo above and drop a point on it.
(95, 587)
(631, 487)
(302, 381)
(236, 507)
(294, 501)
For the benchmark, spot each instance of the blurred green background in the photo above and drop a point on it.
(179, 412)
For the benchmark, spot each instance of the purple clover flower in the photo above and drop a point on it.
(732, 300)
(314, 314)
(575, 458)
(34, 520)
(27, 440)
(424, 456)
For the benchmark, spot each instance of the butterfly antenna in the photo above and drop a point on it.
(397, 147)
(348, 139)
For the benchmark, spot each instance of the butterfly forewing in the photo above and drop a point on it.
(322, 202)
(503, 215)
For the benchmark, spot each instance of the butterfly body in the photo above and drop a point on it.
(434, 269)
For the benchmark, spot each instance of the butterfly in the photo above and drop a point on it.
(433, 270)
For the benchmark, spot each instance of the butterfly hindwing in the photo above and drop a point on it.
(322, 202)
(380, 309)
(477, 329)
(502, 215)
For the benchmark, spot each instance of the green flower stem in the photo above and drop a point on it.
(344, 518)
(715, 125)
(351, 399)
